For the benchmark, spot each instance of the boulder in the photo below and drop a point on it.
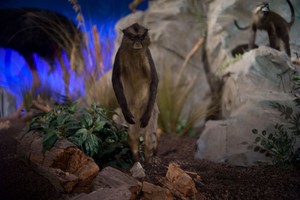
(66, 166)
(261, 77)
(250, 84)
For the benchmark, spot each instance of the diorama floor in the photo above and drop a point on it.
(218, 181)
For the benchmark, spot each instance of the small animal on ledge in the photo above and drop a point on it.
(135, 82)
(297, 61)
(241, 49)
(276, 26)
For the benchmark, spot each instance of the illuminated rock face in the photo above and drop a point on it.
(250, 84)
(250, 88)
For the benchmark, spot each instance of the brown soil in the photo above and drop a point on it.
(17, 180)
(218, 181)
(221, 181)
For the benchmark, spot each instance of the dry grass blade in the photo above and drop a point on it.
(190, 55)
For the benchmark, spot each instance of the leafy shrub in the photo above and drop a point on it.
(88, 128)
(280, 144)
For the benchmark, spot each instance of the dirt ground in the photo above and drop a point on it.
(218, 181)
(221, 181)
(17, 180)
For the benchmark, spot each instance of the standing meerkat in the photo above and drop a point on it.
(275, 25)
(135, 84)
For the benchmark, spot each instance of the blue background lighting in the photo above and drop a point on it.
(15, 76)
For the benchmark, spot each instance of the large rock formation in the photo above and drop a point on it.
(250, 84)
(255, 81)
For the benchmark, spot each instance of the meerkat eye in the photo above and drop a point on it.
(131, 36)
(135, 37)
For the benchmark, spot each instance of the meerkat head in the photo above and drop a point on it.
(262, 9)
(135, 37)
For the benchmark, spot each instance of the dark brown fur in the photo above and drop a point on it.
(135, 83)
(241, 49)
(276, 26)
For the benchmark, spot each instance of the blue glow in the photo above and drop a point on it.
(15, 75)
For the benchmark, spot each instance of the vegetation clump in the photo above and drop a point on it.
(280, 144)
(90, 129)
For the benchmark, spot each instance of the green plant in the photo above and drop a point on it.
(88, 128)
(174, 92)
(229, 62)
(292, 115)
(296, 80)
(181, 128)
(279, 145)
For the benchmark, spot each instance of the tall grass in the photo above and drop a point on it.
(175, 98)
(84, 57)
(98, 86)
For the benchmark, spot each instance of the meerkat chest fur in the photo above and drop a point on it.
(136, 78)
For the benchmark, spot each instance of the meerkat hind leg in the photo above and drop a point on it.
(133, 141)
(150, 136)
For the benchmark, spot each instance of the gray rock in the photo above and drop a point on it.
(254, 82)
(137, 171)
(110, 178)
(121, 193)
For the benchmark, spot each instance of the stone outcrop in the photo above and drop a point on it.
(250, 84)
(261, 77)
(64, 165)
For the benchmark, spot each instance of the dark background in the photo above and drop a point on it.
(103, 13)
